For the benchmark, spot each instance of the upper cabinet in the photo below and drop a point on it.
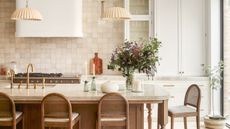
(141, 23)
(193, 37)
(166, 27)
(61, 18)
(180, 25)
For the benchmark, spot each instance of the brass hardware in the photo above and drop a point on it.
(35, 85)
(28, 75)
(12, 75)
(19, 85)
(43, 83)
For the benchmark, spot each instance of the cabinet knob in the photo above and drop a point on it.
(172, 97)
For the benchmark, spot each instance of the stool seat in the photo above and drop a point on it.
(18, 114)
(181, 110)
(114, 119)
(74, 116)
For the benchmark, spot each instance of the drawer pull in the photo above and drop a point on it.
(168, 85)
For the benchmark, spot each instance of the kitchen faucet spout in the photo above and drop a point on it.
(28, 75)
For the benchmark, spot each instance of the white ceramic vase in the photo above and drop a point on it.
(109, 87)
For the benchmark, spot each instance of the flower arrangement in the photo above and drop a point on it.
(131, 56)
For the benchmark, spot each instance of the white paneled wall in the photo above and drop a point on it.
(227, 57)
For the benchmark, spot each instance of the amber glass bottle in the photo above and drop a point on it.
(98, 64)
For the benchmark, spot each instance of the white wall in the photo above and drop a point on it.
(213, 38)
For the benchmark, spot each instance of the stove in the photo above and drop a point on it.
(54, 78)
(39, 75)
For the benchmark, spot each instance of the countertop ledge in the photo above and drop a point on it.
(75, 93)
(139, 76)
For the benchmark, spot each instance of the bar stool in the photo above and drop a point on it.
(113, 111)
(56, 111)
(8, 114)
(190, 108)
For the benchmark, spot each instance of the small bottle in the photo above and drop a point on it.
(3, 70)
(86, 87)
(93, 85)
(13, 66)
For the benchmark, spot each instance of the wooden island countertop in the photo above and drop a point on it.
(28, 101)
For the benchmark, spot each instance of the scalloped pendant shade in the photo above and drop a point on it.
(116, 13)
(26, 14)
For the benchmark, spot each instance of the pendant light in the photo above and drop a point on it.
(114, 13)
(26, 13)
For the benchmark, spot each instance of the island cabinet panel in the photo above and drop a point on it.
(88, 112)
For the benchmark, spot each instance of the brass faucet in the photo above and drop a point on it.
(12, 74)
(28, 75)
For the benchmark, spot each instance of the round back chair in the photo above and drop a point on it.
(8, 114)
(113, 110)
(56, 111)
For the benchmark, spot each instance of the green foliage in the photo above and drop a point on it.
(214, 75)
(141, 56)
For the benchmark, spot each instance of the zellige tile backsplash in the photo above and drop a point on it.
(66, 55)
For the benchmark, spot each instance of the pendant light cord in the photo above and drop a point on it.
(102, 8)
(27, 3)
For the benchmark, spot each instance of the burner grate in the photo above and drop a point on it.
(39, 75)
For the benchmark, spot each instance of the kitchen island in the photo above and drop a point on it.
(28, 101)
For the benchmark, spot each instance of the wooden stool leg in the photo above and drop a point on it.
(23, 122)
(149, 116)
(79, 124)
(185, 123)
(172, 122)
(158, 125)
(198, 122)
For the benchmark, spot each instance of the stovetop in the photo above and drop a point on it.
(55, 75)
(48, 77)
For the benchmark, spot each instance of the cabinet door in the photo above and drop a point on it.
(192, 36)
(138, 30)
(167, 33)
(140, 25)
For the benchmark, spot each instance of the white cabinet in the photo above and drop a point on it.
(192, 36)
(180, 25)
(167, 32)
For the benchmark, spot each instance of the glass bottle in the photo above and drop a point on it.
(86, 87)
(93, 85)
